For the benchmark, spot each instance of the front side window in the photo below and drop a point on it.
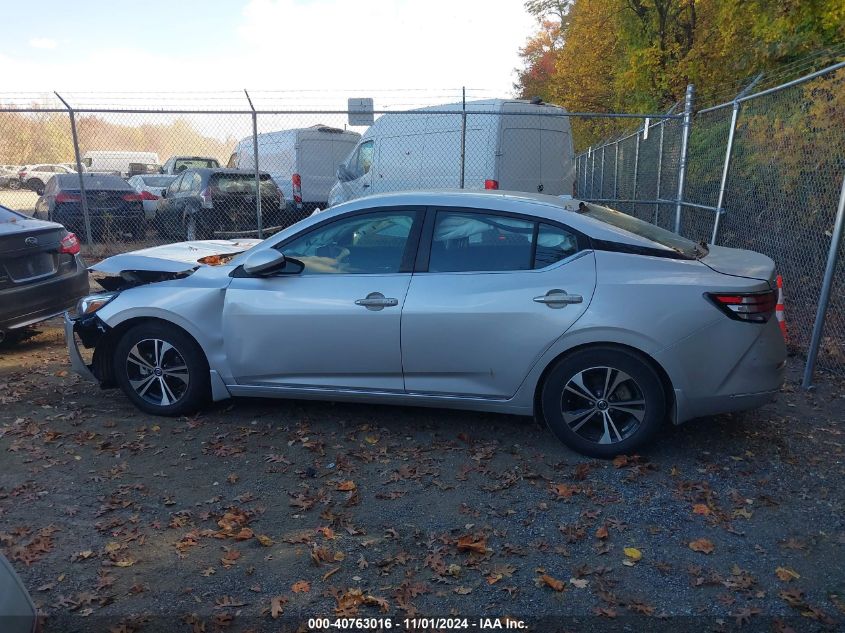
(372, 243)
(477, 242)
(361, 160)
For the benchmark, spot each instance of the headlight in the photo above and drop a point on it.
(92, 303)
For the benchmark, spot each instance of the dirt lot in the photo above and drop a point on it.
(256, 515)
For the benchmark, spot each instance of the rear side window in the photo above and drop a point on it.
(478, 242)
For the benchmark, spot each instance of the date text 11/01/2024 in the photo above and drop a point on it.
(416, 624)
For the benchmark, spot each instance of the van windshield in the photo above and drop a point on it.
(647, 230)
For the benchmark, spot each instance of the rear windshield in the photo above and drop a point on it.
(158, 181)
(644, 229)
(92, 181)
(7, 215)
(242, 183)
(191, 163)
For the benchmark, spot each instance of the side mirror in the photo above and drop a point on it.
(343, 174)
(264, 262)
(163, 193)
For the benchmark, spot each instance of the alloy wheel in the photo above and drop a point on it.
(157, 372)
(603, 405)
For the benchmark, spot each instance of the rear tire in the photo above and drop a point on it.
(161, 369)
(603, 401)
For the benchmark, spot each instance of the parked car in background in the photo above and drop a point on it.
(17, 611)
(114, 207)
(149, 187)
(302, 161)
(178, 164)
(41, 273)
(510, 144)
(603, 325)
(9, 178)
(35, 177)
(206, 203)
(116, 161)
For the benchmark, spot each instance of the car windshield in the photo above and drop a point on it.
(158, 181)
(242, 183)
(645, 229)
(93, 181)
(192, 163)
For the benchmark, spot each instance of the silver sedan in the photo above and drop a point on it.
(602, 325)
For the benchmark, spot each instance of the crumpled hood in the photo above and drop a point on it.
(181, 257)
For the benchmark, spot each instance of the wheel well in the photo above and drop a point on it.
(104, 351)
(668, 389)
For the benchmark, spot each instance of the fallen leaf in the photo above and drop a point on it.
(244, 535)
(346, 486)
(602, 532)
(633, 553)
(463, 590)
(549, 581)
(700, 508)
(470, 543)
(786, 574)
(564, 491)
(277, 606)
(301, 586)
(620, 461)
(702, 545)
(581, 583)
(265, 540)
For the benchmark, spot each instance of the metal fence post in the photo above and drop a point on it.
(824, 295)
(659, 172)
(601, 176)
(593, 175)
(615, 167)
(586, 160)
(682, 164)
(86, 217)
(463, 134)
(258, 218)
(720, 201)
(636, 169)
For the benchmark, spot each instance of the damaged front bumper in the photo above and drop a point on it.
(90, 330)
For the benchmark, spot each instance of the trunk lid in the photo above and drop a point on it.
(740, 263)
(29, 250)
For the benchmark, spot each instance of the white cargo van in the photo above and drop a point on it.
(118, 161)
(301, 161)
(510, 144)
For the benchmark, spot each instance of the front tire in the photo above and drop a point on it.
(603, 401)
(161, 369)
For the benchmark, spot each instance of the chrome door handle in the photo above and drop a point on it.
(558, 298)
(377, 301)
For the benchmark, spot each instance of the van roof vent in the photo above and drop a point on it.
(325, 128)
(536, 101)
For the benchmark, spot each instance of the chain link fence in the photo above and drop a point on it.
(763, 172)
(244, 165)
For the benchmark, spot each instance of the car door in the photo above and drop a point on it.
(335, 324)
(359, 171)
(493, 291)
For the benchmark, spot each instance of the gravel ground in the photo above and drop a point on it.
(257, 515)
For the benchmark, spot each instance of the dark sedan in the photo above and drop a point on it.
(41, 273)
(114, 207)
(206, 203)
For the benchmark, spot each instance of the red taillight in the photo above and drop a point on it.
(146, 195)
(132, 197)
(756, 307)
(491, 184)
(297, 190)
(68, 197)
(21, 174)
(69, 244)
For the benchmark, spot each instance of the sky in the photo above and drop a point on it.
(365, 47)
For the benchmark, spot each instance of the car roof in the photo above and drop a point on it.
(541, 206)
(220, 170)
